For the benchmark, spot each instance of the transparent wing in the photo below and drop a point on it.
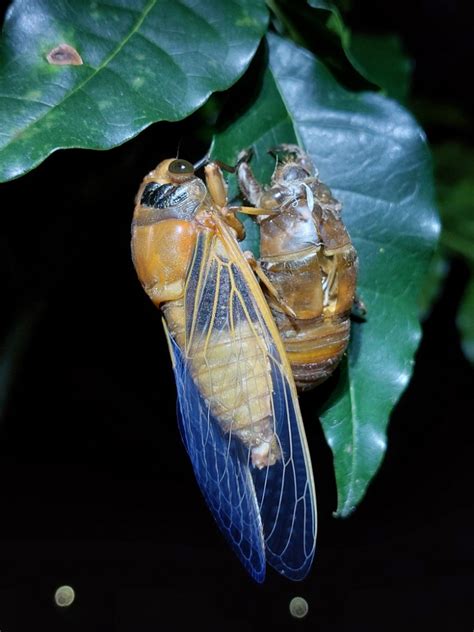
(222, 299)
(220, 464)
(285, 490)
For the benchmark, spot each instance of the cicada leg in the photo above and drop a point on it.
(359, 308)
(217, 188)
(259, 271)
(249, 185)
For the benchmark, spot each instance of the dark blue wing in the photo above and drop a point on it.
(267, 514)
(221, 466)
(285, 490)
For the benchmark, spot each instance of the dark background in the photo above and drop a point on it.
(95, 488)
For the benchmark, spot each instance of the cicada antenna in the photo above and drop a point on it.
(207, 158)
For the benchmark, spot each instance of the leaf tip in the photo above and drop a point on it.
(345, 511)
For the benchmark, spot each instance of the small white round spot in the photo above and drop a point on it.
(64, 596)
(298, 607)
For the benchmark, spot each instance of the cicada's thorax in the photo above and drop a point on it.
(308, 255)
(172, 231)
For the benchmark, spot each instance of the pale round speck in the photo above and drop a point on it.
(298, 607)
(64, 596)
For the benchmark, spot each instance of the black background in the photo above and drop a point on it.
(95, 488)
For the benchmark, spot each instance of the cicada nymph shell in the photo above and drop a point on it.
(308, 257)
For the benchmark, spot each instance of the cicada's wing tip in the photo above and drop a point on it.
(293, 574)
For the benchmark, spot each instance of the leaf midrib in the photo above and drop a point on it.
(354, 418)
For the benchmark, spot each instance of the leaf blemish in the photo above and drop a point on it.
(138, 82)
(64, 55)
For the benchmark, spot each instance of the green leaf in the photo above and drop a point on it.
(378, 58)
(373, 155)
(382, 61)
(433, 283)
(335, 22)
(143, 61)
(465, 319)
(455, 186)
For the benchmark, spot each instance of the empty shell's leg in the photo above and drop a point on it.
(359, 308)
(249, 185)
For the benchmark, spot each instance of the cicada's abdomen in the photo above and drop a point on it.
(308, 256)
(224, 346)
(234, 376)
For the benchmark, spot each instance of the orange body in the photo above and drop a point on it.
(178, 243)
(238, 408)
(307, 254)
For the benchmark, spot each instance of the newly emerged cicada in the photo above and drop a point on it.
(237, 402)
(307, 255)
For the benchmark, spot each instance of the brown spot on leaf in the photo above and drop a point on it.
(64, 55)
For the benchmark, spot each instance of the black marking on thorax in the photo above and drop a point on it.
(162, 195)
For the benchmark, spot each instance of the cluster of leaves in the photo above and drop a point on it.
(454, 168)
(146, 61)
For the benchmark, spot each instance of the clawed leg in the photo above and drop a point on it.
(217, 188)
(359, 309)
(259, 271)
(248, 183)
(254, 210)
(216, 185)
(228, 213)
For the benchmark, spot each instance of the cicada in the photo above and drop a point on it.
(237, 407)
(307, 255)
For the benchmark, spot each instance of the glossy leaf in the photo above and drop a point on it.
(143, 61)
(382, 60)
(373, 155)
(378, 58)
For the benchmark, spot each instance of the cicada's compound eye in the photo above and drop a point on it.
(180, 169)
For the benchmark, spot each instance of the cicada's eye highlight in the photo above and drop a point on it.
(181, 168)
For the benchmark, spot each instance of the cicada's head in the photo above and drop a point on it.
(172, 171)
(173, 187)
(292, 172)
(295, 166)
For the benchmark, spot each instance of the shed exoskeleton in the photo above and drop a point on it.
(308, 256)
